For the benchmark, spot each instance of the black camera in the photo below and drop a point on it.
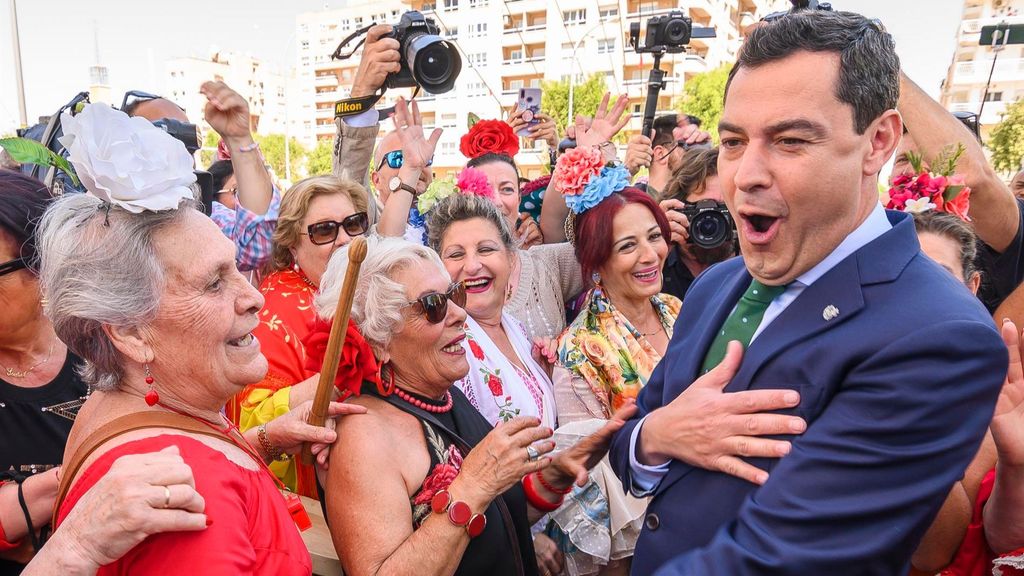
(799, 6)
(711, 225)
(667, 34)
(184, 132)
(428, 60)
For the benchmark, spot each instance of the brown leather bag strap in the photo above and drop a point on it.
(117, 427)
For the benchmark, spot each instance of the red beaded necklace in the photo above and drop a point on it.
(447, 406)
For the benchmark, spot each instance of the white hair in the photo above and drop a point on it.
(98, 267)
(379, 299)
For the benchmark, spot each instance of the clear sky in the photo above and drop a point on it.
(137, 37)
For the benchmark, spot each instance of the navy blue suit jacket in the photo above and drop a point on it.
(897, 390)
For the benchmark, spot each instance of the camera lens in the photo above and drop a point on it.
(435, 62)
(677, 32)
(709, 229)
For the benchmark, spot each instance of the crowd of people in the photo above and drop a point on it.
(822, 375)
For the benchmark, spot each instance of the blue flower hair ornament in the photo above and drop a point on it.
(611, 179)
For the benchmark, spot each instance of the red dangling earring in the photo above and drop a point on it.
(152, 397)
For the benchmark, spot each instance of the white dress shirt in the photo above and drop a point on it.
(645, 478)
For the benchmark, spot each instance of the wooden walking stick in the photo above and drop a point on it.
(324, 388)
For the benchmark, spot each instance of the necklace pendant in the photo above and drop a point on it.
(16, 374)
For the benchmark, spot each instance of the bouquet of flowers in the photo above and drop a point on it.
(930, 190)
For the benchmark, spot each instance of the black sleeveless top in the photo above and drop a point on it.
(505, 548)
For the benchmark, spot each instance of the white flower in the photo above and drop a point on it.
(919, 205)
(127, 161)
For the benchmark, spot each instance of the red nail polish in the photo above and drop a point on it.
(209, 521)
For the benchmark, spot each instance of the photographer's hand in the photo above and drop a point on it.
(606, 123)
(691, 135)
(639, 153)
(678, 223)
(380, 58)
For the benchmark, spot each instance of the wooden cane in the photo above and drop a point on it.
(325, 387)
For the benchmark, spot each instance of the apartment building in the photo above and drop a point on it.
(964, 89)
(510, 44)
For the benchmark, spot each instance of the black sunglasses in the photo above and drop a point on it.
(327, 232)
(435, 305)
(133, 97)
(394, 160)
(12, 266)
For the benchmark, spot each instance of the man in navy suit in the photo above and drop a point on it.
(897, 366)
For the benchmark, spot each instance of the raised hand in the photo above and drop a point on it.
(605, 124)
(639, 153)
(1008, 421)
(417, 150)
(380, 58)
(226, 111)
(708, 428)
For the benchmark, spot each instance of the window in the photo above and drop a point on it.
(448, 120)
(574, 16)
(515, 55)
(606, 46)
(453, 32)
(451, 4)
(567, 46)
(477, 3)
(448, 147)
(608, 13)
(478, 30)
(428, 7)
(515, 85)
(994, 97)
(305, 44)
(359, 22)
(478, 59)
(476, 89)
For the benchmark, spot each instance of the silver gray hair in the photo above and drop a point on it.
(379, 299)
(98, 267)
(462, 207)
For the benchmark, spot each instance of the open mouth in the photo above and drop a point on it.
(455, 347)
(649, 275)
(242, 342)
(477, 285)
(759, 228)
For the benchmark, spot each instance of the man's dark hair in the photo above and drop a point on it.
(221, 170)
(23, 200)
(663, 126)
(690, 118)
(869, 69)
(697, 165)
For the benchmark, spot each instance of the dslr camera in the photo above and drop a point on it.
(667, 34)
(428, 60)
(711, 225)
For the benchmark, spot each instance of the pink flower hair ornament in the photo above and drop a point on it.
(473, 182)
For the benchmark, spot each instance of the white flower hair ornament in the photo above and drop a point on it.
(127, 161)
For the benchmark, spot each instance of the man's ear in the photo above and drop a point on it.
(130, 341)
(883, 136)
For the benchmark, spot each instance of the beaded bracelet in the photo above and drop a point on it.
(250, 147)
(538, 501)
(458, 513)
(550, 488)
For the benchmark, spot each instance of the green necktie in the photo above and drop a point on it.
(743, 322)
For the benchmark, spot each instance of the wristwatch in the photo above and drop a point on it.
(396, 184)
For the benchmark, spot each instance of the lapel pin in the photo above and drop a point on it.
(830, 312)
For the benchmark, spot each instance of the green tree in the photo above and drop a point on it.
(1007, 140)
(209, 150)
(586, 96)
(319, 160)
(703, 96)
(272, 146)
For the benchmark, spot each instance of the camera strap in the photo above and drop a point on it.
(356, 106)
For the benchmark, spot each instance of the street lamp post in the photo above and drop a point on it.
(572, 74)
(19, 80)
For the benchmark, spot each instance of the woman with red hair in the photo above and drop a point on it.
(607, 354)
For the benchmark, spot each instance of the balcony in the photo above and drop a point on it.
(976, 71)
(325, 112)
(327, 80)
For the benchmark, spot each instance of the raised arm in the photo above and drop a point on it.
(994, 212)
(228, 114)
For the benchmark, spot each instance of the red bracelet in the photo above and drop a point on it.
(458, 513)
(536, 500)
(550, 488)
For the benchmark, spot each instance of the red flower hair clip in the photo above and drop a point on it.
(356, 365)
(489, 136)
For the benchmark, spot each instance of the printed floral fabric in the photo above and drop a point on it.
(498, 388)
(605, 350)
(447, 461)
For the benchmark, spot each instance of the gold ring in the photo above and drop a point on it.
(167, 497)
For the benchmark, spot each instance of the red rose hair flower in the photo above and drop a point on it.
(489, 136)
(356, 365)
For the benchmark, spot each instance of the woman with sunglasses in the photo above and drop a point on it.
(318, 215)
(425, 485)
(40, 389)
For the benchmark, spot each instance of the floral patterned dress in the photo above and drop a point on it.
(603, 360)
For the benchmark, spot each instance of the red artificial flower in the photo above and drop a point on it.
(475, 348)
(494, 383)
(356, 365)
(960, 205)
(489, 136)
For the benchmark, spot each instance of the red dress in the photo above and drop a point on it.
(975, 558)
(251, 531)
